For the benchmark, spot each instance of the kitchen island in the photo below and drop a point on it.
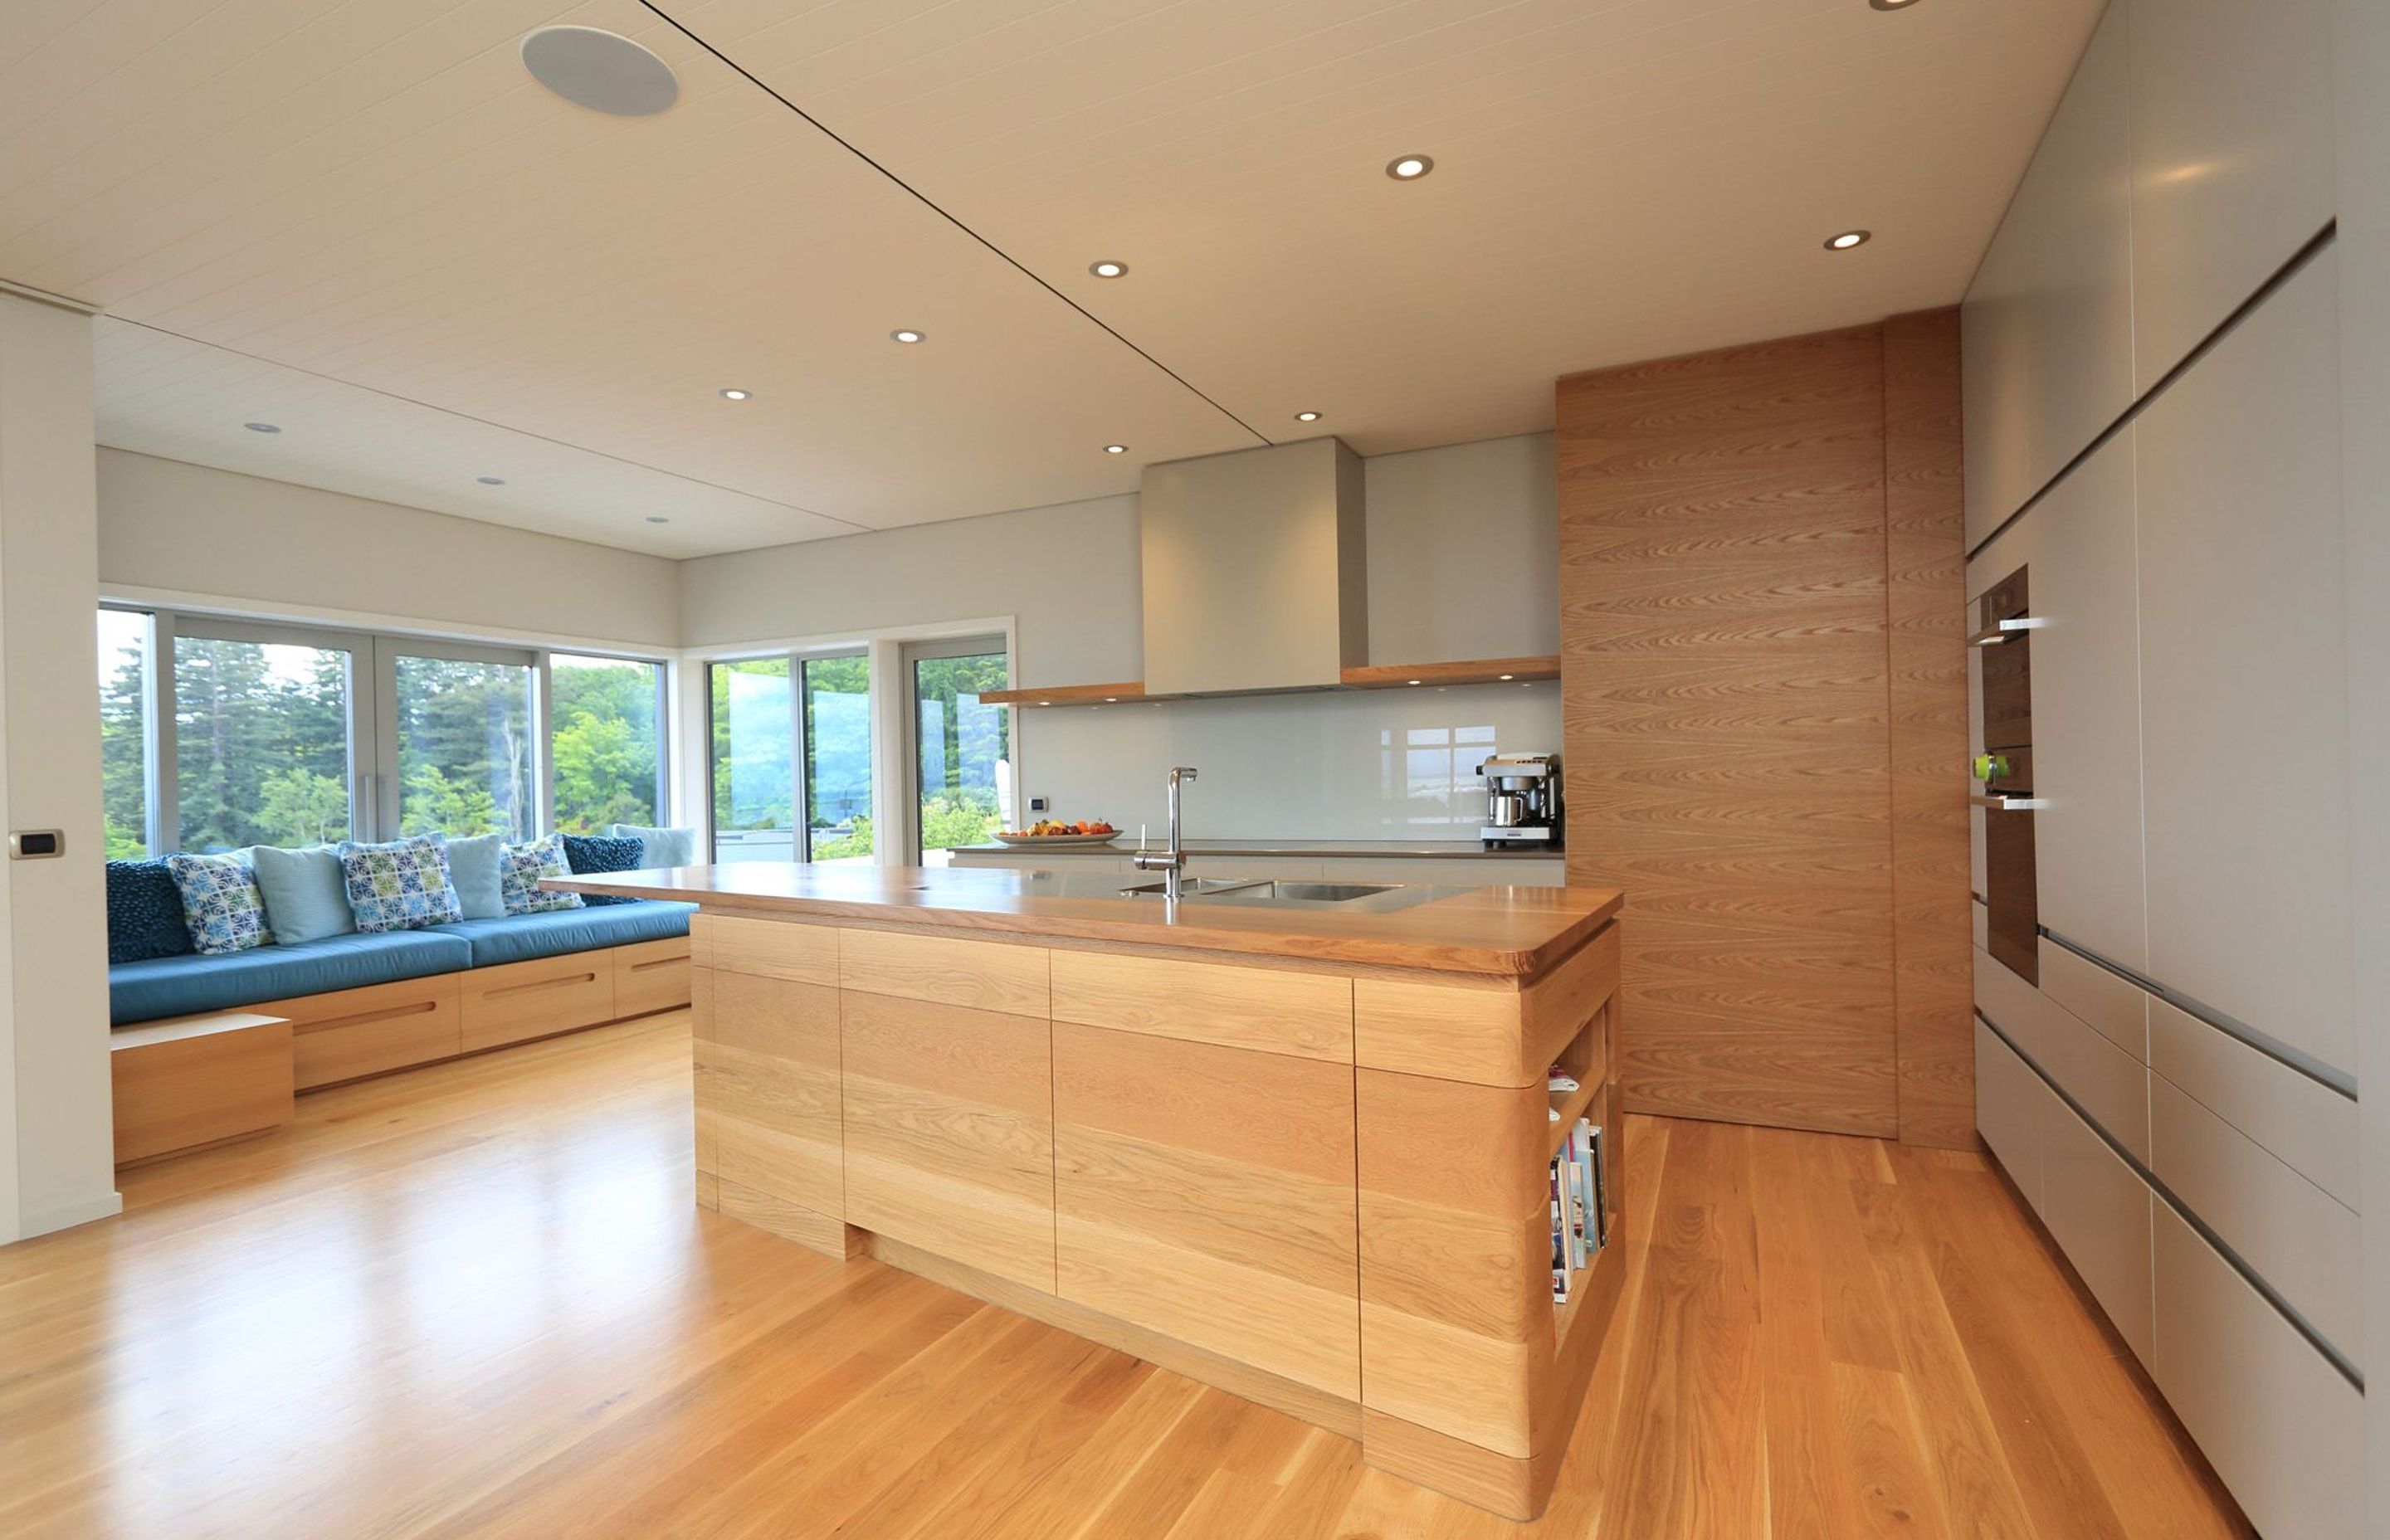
(1294, 1140)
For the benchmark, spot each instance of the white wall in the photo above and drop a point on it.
(169, 529)
(2361, 46)
(1463, 563)
(56, 1163)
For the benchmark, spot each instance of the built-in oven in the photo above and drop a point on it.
(2003, 640)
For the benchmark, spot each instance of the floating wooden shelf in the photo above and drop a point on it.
(1482, 671)
(1067, 695)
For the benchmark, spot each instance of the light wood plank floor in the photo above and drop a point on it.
(477, 1301)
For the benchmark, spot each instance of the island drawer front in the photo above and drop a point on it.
(1272, 1010)
(516, 1002)
(776, 949)
(650, 976)
(945, 970)
(949, 1131)
(768, 1105)
(1206, 1193)
(1457, 1319)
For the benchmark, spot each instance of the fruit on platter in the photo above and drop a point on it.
(1045, 827)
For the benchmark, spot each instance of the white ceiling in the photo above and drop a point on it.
(363, 221)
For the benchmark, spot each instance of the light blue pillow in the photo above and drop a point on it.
(221, 903)
(400, 886)
(666, 847)
(473, 865)
(306, 894)
(522, 868)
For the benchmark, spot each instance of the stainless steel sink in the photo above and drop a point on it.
(1307, 892)
(1266, 890)
(1194, 887)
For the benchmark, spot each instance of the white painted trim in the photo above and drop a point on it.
(405, 625)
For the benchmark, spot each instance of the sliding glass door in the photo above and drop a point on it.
(789, 733)
(962, 748)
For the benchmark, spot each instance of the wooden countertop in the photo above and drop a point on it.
(1506, 931)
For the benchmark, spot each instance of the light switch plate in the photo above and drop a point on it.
(36, 844)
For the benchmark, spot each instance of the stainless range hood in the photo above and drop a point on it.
(1255, 569)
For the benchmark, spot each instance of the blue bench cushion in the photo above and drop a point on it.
(518, 938)
(180, 986)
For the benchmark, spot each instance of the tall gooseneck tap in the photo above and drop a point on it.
(1171, 863)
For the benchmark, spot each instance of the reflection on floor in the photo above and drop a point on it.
(475, 1299)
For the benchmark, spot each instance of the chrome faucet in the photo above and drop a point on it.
(1171, 863)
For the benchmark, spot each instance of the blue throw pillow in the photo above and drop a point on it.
(473, 865)
(594, 855)
(666, 847)
(221, 905)
(400, 886)
(306, 894)
(145, 913)
(522, 868)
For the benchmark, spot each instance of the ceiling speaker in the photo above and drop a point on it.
(602, 71)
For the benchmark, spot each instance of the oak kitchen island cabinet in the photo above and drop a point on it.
(1293, 1141)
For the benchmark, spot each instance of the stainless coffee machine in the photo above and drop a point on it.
(1522, 799)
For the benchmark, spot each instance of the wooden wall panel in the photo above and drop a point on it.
(1924, 547)
(1726, 683)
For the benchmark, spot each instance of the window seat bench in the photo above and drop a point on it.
(360, 1005)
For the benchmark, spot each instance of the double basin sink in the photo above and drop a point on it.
(1274, 891)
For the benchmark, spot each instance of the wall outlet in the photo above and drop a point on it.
(1036, 804)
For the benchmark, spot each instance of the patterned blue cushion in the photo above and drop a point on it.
(145, 912)
(221, 903)
(400, 886)
(520, 869)
(591, 854)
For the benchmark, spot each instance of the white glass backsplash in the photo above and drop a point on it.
(1360, 764)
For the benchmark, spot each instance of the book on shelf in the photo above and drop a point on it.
(1580, 1220)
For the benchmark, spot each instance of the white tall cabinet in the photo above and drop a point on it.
(2152, 415)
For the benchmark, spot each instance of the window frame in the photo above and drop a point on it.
(373, 791)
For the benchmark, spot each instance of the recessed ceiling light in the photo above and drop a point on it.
(260, 428)
(1409, 168)
(1109, 269)
(602, 71)
(1412, 681)
(659, 519)
(1509, 677)
(490, 481)
(1891, 4)
(1306, 417)
(732, 395)
(906, 334)
(1115, 449)
(1847, 240)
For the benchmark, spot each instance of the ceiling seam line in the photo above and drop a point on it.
(926, 201)
(501, 427)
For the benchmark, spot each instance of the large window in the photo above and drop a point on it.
(262, 742)
(464, 747)
(289, 735)
(124, 732)
(789, 733)
(962, 748)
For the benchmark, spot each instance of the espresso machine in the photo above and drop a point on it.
(1523, 801)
